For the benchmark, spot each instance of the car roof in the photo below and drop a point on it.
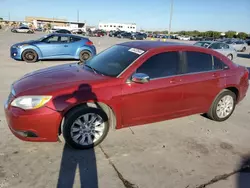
(66, 34)
(147, 45)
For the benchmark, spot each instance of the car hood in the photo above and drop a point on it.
(47, 80)
(30, 42)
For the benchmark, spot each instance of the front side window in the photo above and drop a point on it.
(114, 60)
(161, 65)
(51, 39)
(202, 44)
(198, 62)
(224, 46)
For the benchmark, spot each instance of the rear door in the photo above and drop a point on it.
(202, 80)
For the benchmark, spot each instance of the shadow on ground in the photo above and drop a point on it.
(244, 56)
(84, 161)
(243, 177)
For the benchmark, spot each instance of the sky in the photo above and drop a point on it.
(202, 15)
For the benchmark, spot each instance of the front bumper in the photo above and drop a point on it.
(15, 53)
(39, 125)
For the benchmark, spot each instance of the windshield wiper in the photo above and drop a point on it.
(94, 70)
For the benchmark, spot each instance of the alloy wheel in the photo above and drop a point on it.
(225, 106)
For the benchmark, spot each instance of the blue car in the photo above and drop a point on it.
(54, 46)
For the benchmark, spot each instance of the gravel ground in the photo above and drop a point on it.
(190, 152)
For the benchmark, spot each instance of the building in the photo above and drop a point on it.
(56, 23)
(118, 26)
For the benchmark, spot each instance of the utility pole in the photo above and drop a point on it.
(78, 16)
(170, 19)
(9, 16)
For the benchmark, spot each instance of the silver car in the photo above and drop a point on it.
(238, 45)
(221, 47)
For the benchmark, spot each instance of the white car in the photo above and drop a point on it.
(22, 29)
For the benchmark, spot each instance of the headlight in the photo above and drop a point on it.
(22, 45)
(30, 102)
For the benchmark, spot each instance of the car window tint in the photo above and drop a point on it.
(74, 39)
(218, 64)
(64, 39)
(224, 46)
(52, 39)
(215, 46)
(161, 65)
(198, 62)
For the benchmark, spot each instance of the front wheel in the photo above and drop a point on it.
(223, 106)
(85, 128)
(30, 56)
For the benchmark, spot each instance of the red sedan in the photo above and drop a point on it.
(128, 84)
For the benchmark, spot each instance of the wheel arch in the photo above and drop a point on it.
(235, 90)
(100, 105)
(37, 50)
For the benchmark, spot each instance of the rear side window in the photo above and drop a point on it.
(161, 65)
(198, 62)
(74, 39)
(218, 64)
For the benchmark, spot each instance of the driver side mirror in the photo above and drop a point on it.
(140, 78)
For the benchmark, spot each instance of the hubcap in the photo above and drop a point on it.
(85, 56)
(225, 106)
(29, 56)
(87, 129)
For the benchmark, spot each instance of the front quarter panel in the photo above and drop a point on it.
(38, 51)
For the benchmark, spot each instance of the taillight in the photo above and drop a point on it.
(89, 42)
(246, 74)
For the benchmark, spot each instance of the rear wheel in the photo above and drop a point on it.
(85, 128)
(84, 55)
(30, 56)
(243, 49)
(223, 106)
(230, 56)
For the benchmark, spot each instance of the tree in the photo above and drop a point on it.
(1, 18)
(242, 35)
(230, 34)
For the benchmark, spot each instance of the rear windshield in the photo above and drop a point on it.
(114, 60)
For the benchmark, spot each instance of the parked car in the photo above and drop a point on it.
(54, 46)
(248, 41)
(77, 31)
(238, 45)
(137, 36)
(220, 47)
(125, 35)
(64, 31)
(129, 84)
(22, 29)
(183, 37)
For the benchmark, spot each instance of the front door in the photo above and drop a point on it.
(157, 99)
(53, 47)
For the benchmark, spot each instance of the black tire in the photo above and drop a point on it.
(84, 55)
(230, 56)
(243, 49)
(30, 56)
(212, 111)
(72, 116)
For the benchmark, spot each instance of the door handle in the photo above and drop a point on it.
(65, 45)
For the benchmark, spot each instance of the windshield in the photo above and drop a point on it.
(114, 60)
(202, 44)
